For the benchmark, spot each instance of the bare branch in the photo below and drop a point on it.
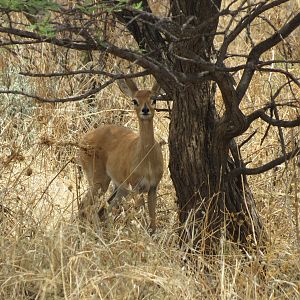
(89, 93)
(262, 47)
(67, 43)
(280, 131)
(18, 42)
(163, 97)
(244, 142)
(260, 113)
(280, 123)
(143, 60)
(284, 72)
(246, 21)
(95, 72)
(85, 95)
(266, 167)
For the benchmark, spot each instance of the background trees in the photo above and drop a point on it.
(189, 47)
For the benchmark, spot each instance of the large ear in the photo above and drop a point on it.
(126, 85)
(155, 88)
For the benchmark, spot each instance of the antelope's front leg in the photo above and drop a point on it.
(152, 207)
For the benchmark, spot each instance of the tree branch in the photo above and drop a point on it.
(260, 113)
(281, 71)
(259, 49)
(147, 36)
(143, 60)
(89, 93)
(264, 168)
(95, 72)
(233, 122)
(244, 22)
(67, 43)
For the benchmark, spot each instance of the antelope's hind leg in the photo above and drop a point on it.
(94, 169)
(116, 196)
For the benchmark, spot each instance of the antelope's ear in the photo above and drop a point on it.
(126, 85)
(155, 88)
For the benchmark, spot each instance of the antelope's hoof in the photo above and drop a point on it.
(102, 213)
(151, 230)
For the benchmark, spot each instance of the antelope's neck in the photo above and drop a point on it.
(146, 141)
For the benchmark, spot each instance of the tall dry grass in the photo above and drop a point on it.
(45, 255)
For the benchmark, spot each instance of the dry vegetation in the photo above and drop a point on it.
(45, 255)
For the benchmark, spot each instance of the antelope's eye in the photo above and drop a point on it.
(135, 102)
(153, 101)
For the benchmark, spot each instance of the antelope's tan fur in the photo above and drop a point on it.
(129, 160)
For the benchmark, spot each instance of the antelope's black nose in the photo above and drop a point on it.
(145, 110)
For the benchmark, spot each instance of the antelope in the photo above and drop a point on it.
(128, 159)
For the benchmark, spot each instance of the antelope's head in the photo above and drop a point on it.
(143, 100)
(144, 104)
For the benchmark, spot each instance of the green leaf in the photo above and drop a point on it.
(29, 6)
(138, 6)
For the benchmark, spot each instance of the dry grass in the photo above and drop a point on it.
(45, 255)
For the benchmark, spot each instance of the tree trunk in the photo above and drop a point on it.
(208, 203)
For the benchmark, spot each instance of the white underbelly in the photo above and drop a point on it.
(142, 184)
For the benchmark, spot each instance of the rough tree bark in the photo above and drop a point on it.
(199, 146)
(199, 162)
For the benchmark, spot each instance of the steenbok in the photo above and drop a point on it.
(130, 160)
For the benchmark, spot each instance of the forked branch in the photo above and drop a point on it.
(259, 49)
(260, 113)
(266, 167)
(244, 22)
